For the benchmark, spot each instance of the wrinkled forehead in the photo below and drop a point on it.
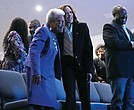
(59, 17)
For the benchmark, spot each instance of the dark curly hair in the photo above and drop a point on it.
(20, 26)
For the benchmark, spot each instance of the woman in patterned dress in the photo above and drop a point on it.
(15, 46)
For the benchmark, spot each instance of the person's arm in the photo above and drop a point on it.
(88, 51)
(36, 47)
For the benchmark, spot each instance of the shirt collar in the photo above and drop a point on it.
(71, 28)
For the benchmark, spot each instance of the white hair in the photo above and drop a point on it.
(52, 14)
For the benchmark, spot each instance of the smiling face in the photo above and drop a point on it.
(58, 24)
(121, 17)
(68, 15)
(120, 14)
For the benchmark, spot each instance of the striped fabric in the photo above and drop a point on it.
(68, 43)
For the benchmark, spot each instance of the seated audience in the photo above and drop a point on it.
(99, 65)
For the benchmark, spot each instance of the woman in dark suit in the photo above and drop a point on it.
(77, 58)
(42, 55)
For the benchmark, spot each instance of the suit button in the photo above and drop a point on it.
(76, 57)
(79, 64)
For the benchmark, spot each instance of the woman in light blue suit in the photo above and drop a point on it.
(43, 63)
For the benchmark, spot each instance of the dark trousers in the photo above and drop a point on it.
(72, 75)
(38, 107)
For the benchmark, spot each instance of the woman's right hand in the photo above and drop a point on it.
(36, 79)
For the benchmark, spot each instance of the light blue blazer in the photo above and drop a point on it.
(44, 59)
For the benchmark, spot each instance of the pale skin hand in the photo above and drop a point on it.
(89, 77)
(36, 79)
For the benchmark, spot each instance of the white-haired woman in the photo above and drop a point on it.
(43, 63)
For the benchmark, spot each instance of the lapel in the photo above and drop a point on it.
(121, 30)
(131, 35)
(75, 37)
(75, 34)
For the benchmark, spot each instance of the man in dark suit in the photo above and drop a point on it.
(77, 59)
(119, 44)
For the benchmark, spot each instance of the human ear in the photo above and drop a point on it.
(116, 17)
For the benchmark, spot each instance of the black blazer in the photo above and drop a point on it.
(119, 52)
(82, 47)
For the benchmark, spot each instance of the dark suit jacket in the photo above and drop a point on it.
(119, 52)
(82, 47)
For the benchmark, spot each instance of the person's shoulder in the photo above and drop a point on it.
(109, 25)
(96, 60)
(112, 24)
(39, 29)
(12, 33)
(43, 29)
(82, 24)
(13, 36)
(42, 33)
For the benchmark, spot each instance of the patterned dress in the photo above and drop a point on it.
(14, 53)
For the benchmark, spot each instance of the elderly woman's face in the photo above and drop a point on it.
(58, 24)
(68, 15)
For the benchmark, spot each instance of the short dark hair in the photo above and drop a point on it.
(117, 9)
(36, 21)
